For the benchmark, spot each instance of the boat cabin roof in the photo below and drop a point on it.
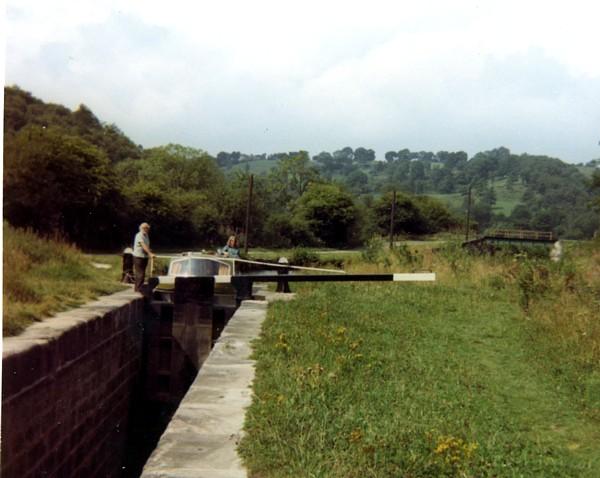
(191, 266)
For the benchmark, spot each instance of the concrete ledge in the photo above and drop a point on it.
(196, 473)
(202, 438)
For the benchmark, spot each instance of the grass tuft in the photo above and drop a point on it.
(44, 276)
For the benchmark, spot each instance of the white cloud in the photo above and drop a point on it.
(264, 76)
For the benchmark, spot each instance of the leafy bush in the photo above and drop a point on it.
(329, 212)
(56, 182)
(304, 257)
(373, 252)
(281, 230)
(457, 258)
(406, 257)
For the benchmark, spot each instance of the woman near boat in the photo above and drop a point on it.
(231, 249)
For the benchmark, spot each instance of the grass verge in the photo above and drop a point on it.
(43, 276)
(452, 379)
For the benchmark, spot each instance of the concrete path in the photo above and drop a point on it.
(201, 439)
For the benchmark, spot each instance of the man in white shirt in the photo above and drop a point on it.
(141, 254)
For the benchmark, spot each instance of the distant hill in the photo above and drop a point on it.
(507, 198)
(508, 190)
(64, 170)
(588, 169)
(22, 109)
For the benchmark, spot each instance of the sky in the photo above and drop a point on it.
(273, 76)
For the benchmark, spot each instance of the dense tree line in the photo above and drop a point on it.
(549, 194)
(67, 173)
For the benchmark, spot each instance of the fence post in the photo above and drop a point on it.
(127, 267)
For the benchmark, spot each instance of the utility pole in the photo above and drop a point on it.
(392, 219)
(468, 213)
(248, 203)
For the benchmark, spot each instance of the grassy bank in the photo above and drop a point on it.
(43, 276)
(492, 371)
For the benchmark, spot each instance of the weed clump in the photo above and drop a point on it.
(304, 257)
(374, 252)
(43, 276)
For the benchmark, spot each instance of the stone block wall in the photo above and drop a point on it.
(67, 386)
(179, 337)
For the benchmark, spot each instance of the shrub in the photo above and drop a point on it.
(533, 280)
(281, 230)
(406, 257)
(304, 257)
(373, 251)
(457, 258)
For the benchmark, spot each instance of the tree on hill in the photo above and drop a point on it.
(595, 186)
(436, 216)
(85, 120)
(357, 182)
(329, 212)
(364, 156)
(178, 190)
(291, 177)
(325, 162)
(22, 109)
(390, 156)
(55, 182)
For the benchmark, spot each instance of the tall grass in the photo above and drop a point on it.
(492, 371)
(561, 301)
(43, 276)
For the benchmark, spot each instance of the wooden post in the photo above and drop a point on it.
(248, 203)
(468, 213)
(392, 219)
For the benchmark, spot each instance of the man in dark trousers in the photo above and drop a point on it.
(141, 254)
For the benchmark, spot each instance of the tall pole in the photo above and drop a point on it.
(392, 219)
(248, 203)
(468, 213)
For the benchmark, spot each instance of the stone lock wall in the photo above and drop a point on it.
(178, 338)
(67, 386)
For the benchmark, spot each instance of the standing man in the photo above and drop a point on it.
(141, 253)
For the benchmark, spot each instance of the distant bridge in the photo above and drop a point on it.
(511, 236)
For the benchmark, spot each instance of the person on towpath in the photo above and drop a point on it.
(141, 254)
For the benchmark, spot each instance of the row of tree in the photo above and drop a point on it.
(65, 173)
(548, 194)
(68, 172)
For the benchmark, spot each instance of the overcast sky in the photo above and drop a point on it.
(270, 76)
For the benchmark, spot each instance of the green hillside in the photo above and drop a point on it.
(68, 173)
(508, 190)
(507, 198)
(455, 201)
(23, 111)
(588, 170)
(44, 276)
(260, 166)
